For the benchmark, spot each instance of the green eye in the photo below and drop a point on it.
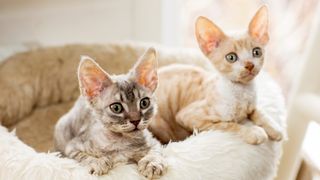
(256, 52)
(231, 57)
(116, 108)
(144, 103)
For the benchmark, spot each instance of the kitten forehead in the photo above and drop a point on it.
(244, 54)
(128, 89)
(242, 38)
(117, 97)
(242, 44)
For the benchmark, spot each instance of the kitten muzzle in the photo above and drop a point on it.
(249, 66)
(135, 123)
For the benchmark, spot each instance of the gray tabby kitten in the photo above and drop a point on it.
(107, 125)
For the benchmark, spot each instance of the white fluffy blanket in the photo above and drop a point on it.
(207, 155)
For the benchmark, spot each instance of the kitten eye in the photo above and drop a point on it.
(116, 108)
(144, 103)
(256, 52)
(231, 57)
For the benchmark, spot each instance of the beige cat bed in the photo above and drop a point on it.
(38, 86)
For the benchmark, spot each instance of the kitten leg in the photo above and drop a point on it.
(272, 128)
(97, 164)
(62, 133)
(197, 114)
(196, 117)
(251, 134)
(153, 164)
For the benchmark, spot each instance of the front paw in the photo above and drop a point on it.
(97, 166)
(274, 134)
(255, 135)
(152, 166)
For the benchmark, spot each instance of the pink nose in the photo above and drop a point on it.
(135, 123)
(249, 66)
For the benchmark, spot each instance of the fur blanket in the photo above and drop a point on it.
(38, 86)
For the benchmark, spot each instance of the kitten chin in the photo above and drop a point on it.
(131, 134)
(134, 133)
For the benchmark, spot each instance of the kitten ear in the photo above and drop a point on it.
(92, 78)
(145, 70)
(208, 35)
(259, 26)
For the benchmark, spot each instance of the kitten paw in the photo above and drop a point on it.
(97, 166)
(152, 166)
(255, 135)
(275, 135)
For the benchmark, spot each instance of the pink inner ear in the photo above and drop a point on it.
(96, 87)
(260, 34)
(142, 77)
(89, 86)
(209, 39)
(264, 37)
(153, 81)
(92, 86)
(211, 45)
(258, 27)
(92, 78)
(147, 77)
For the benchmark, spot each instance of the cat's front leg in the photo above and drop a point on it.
(153, 165)
(251, 134)
(196, 117)
(97, 164)
(272, 128)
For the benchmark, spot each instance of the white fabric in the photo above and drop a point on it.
(208, 155)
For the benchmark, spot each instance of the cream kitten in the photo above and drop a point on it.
(107, 125)
(193, 98)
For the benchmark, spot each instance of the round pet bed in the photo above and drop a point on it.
(40, 85)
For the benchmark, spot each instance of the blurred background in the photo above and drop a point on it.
(27, 24)
(33, 23)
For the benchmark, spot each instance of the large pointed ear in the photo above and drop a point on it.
(92, 78)
(208, 35)
(259, 26)
(145, 70)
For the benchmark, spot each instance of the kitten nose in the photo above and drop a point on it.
(249, 66)
(134, 116)
(135, 123)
